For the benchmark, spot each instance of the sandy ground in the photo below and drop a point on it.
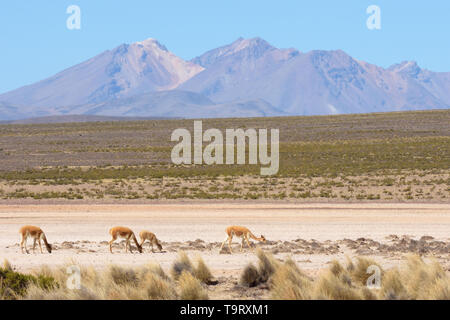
(312, 234)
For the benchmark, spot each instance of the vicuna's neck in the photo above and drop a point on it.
(255, 238)
(135, 241)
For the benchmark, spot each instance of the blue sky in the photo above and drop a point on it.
(35, 42)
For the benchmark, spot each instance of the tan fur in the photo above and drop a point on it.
(147, 235)
(242, 232)
(124, 233)
(36, 234)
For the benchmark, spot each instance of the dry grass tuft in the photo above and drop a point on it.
(266, 266)
(250, 276)
(7, 265)
(114, 283)
(415, 280)
(183, 263)
(122, 276)
(158, 287)
(418, 280)
(202, 272)
(290, 283)
(337, 269)
(359, 272)
(148, 282)
(332, 287)
(191, 288)
(156, 269)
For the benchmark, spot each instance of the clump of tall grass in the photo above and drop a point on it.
(267, 265)
(148, 282)
(338, 282)
(418, 280)
(250, 276)
(122, 276)
(191, 288)
(14, 285)
(7, 265)
(330, 286)
(290, 283)
(202, 272)
(359, 270)
(183, 264)
(158, 287)
(190, 277)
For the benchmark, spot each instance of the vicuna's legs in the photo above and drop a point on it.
(150, 245)
(229, 239)
(229, 243)
(128, 243)
(248, 243)
(114, 238)
(24, 243)
(223, 243)
(40, 245)
(34, 244)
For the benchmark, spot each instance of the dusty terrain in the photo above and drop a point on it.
(312, 234)
(385, 157)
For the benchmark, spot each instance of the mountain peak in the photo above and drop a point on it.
(151, 43)
(127, 70)
(242, 43)
(410, 68)
(256, 45)
(253, 46)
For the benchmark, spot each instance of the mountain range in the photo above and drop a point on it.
(247, 78)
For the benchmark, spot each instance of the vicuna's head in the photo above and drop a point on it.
(158, 244)
(263, 239)
(49, 247)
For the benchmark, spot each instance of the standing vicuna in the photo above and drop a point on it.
(124, 233)
(37, 234)
(242, 232)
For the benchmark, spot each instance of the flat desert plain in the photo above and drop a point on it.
(311, 234)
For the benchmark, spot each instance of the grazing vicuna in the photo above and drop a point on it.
(150, 236)
(242, 232)
(124, 233)
(37, 234)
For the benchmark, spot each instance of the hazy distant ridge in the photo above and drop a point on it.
(248, 77)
